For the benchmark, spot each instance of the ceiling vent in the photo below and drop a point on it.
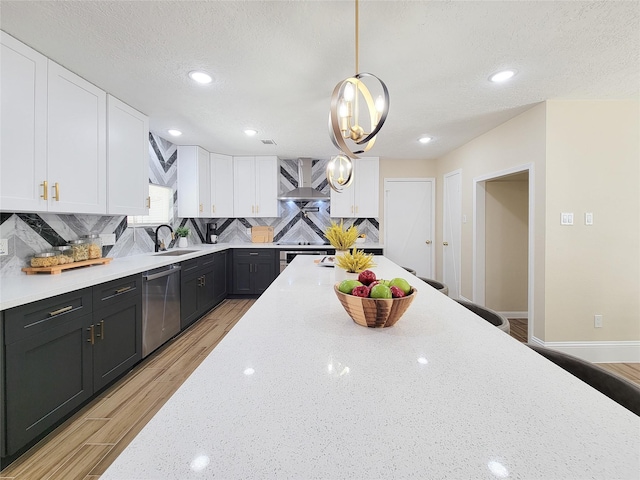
(304, 192)
(268, 142)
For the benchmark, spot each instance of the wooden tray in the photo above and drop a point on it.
(59, 268)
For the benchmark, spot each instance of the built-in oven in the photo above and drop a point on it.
(286, 256)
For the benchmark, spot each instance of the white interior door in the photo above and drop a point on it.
(451, 232)
(409, 223)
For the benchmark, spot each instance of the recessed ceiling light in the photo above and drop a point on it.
(174, 133)
(502, 76)
(425, 139)
(200, 77)
(250, 132)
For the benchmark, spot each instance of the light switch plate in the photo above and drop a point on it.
(566, 219)
(597, 321)
(4, 246)
(588, 218)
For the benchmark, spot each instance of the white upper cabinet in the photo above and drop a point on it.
(194, 189)
(76, 143)
(23, 144)
(221, 186)
(361, 198)
(127, 159)
(255, 182)
(267, 173)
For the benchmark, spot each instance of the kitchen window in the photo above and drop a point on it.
(160, 208)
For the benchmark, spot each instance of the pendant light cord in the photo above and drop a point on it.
(357, 46)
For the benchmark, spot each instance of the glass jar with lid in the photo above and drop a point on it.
(95, 245)
(80, 250)
(44, 259)
(64, 254)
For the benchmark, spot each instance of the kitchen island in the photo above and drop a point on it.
(298, 390)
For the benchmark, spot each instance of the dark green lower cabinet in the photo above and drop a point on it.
(60, 351)
(202, 288)
(253, 270)
(117, 341)
(48, 375)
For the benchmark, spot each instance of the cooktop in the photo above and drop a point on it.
(302, 243)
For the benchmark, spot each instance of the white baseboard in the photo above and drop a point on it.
(515, 314)
(597, 352)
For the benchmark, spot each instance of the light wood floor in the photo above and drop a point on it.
(86, 444)
(630, 371)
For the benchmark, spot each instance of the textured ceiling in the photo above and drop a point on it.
(275, 63)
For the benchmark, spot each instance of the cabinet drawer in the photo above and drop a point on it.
(259, 253)
(34, 318)
(116, 291)
(206, 261)
(189, 265)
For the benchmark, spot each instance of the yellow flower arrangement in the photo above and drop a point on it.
(355, 261)
(340, 238)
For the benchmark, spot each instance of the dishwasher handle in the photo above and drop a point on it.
(165, 273)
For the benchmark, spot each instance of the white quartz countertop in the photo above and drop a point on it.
(298, 390)
(23, 288)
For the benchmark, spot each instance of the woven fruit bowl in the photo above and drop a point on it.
(375, 312)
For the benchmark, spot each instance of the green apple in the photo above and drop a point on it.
(347, 285)
(402, 284)
(380, 291)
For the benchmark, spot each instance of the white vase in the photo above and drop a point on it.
(183, 242)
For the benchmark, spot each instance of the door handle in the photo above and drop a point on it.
(45, 193)
(200, 208)
(91, 332)
(61, 310)
(446, 244)
(101, 334)
(122, 290)
(57, 189)
(428, 242)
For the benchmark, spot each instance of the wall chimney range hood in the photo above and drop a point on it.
(305, 192)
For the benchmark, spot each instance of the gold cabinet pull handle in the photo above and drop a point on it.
(446, 244)
(62, 310)
(351, 208)
(148, 202)
(213, 208)
(257, 208)
(428, 242)
(253, 209)
(91, 338)
(201, 208)
(101, 330)
(45, 191)
(123, 289)
(57, 189)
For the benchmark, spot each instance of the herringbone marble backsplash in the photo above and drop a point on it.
(30, 233)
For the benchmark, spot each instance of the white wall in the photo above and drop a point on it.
(593, 165)
(520, 141)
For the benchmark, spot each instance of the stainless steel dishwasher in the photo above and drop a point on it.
(160, 307)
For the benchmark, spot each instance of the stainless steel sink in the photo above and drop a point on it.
(174, 253)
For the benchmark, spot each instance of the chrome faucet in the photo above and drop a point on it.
(160, 247)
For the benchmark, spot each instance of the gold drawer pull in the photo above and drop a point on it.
(91, 339)
(57, 195)
(123, 289)
(45, 191)
(62, 310)
(101, 334)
